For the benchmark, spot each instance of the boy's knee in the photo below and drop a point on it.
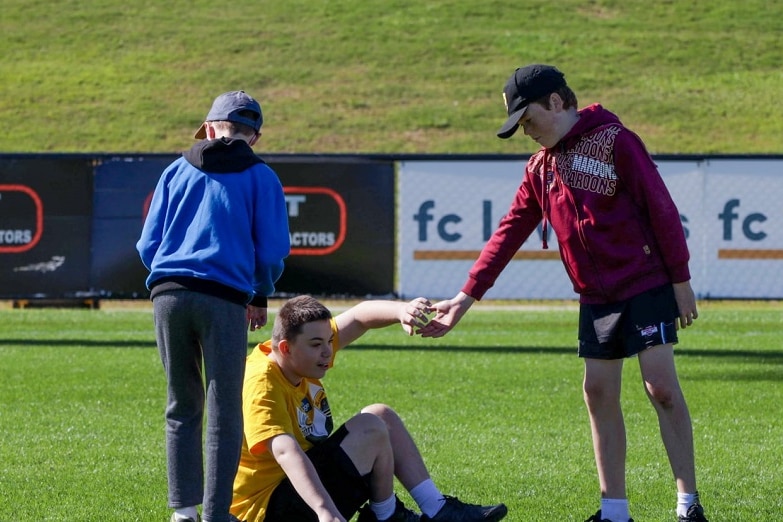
(594, 392)
(382, 411)
(376, 409)
(367, 424)
(666, 396)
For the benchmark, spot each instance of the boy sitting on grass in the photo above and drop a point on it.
(294, 467)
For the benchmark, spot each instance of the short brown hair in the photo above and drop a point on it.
(233, 128)
(566, 94)
(296, 313)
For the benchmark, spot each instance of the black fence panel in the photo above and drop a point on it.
(69, 225)
(45, 227)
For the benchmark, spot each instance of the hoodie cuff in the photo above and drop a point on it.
(474, 289)
(680, 273)
(259, 301)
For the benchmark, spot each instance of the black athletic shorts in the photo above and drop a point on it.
(348, 489)
(620, 330)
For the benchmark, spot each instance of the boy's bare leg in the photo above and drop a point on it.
(409, 466)
(663, 389)
(367, 445)
(602, 385)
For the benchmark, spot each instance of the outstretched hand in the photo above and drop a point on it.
(447, 315)
(415, 315)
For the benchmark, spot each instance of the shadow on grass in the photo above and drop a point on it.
(86, 343)
(772, 356)
(767, 356)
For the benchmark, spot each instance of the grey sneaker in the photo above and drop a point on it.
(401, 514)
(597, 518)
(695, 514)
(454, 510)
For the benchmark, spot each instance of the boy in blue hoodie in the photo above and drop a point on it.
(214, 241)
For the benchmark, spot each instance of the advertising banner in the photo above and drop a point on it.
(123, 189)
(69, 224)
(341, 216)
(744, 217)
(730, 211)
(45, 218)
(448, 211)
(341, 219)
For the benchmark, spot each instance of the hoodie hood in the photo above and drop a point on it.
(222, 156)
(591, 118)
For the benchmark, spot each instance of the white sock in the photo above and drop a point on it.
(684, 501)
(428, 497)
(615, 509)
(186, 512)
(385, 508)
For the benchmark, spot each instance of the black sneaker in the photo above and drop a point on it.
(401, 514)
(597, 518)
(695, 514)
(454, 510)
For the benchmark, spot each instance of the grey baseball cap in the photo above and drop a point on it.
(525, 86)
(233, 106)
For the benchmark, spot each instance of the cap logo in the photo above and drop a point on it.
(505, 100)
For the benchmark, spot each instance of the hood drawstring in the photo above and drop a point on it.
(546, 179)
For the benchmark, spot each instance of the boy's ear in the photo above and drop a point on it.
(284, 347)
(556, 101)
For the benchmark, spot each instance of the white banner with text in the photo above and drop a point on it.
(731, 210)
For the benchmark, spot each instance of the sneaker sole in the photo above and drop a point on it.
(497, 514)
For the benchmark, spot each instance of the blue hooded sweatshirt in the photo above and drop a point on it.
(217, 223)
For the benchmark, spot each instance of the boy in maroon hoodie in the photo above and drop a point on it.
(623, 247)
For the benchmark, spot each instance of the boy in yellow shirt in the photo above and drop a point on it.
(293, 466)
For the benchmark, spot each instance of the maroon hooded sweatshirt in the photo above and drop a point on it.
(618, 229)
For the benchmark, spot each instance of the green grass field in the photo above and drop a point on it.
(496, 407)
(388, 76)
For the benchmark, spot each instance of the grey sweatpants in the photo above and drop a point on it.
(198, 332)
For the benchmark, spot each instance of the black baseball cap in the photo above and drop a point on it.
(525, 86)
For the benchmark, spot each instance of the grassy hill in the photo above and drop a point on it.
(392, 76)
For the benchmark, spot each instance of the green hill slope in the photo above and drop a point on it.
(696, 76)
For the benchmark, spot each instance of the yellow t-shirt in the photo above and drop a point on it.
(271, 406)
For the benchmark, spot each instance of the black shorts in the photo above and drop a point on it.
(348, 489)
(620, 330)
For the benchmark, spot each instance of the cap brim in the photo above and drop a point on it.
(201, 133)
(512, 123)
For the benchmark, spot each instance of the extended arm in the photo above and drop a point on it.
(516, 226)
(354, 322)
